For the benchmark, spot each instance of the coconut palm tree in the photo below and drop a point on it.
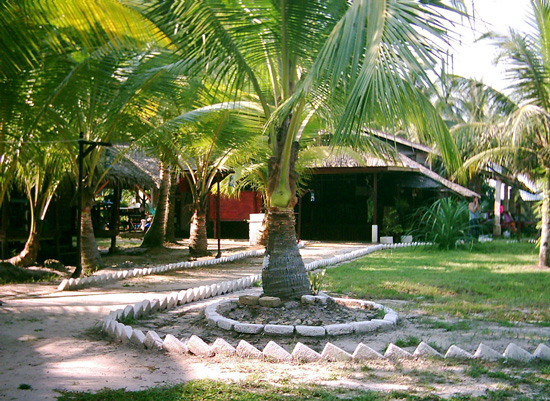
(56, 64)
(355, 64)
(39, 173)
(203, 143)
(525, 137)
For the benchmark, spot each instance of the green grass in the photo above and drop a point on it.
(202, 390)
(494, 281)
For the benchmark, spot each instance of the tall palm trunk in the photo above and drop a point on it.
(90, 258)
(170, 227)
(198, 239)
(154, 237)
(544, 255)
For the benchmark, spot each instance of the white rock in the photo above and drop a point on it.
(137, 310)
(226, 324)
(334, 354)
(365, 327)
(138, 338)
(487, 353)
(311, 331)
(457, 353)
(207, 291)
(338, 329)
(364, 353)
(63, 285)
(222, 347)
(182, 297)
(146, 307)
(173, 345)
(395, 352)
(126, 334)
(278, 329)
(163, 303)
(517, 353)
(274, 352)
(155, 305)
(111, 327)
(128, 311)
(391, 317)
(303, 353)
(542, 352)
(424, 349)
(248, 328)
(172, 300)
(308, 299)
(384, 324)
(246, 350)
(197, 346)
(152, 340)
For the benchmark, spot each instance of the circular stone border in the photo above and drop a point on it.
(389, 321)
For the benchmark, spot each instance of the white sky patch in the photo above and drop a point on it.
(476, 59)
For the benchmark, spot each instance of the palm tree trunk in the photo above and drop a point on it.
(90, 258)
(283, 274)
(264, 230)
(544, 255)
(154, 237)
(198, 239)
(30, 251)
(170, 227)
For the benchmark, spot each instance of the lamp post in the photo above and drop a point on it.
(82, 153)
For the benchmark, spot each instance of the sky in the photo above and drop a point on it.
(476, 60)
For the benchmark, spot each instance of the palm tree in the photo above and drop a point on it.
(355, 64)
(39, 172)
(56, 63)
(525, 136)
(203, 143)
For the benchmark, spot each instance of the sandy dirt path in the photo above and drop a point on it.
(50, 340)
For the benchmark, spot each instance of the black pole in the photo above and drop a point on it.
(218, 218)
(78, 270)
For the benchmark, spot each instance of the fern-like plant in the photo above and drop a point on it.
(445, 223)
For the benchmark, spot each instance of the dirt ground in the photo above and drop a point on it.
(50, 340)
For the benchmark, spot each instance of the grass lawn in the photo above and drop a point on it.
(494, 281)
(202, 390)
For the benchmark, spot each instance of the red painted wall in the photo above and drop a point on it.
(236, 209)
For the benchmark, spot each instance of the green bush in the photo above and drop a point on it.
(445, 223)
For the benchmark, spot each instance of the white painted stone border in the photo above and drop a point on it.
(273, 352)
(389, 321)
(73, 284)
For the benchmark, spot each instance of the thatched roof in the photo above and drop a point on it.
(131, 167)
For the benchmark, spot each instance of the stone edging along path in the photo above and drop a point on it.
(113, 326)
(76, 283)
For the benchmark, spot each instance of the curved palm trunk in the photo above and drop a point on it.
(30, 251)
(198, 239)
(284, 274)
(90, 258)
(544, 255)
(154, 237)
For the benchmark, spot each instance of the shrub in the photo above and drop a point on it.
(445, 223)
